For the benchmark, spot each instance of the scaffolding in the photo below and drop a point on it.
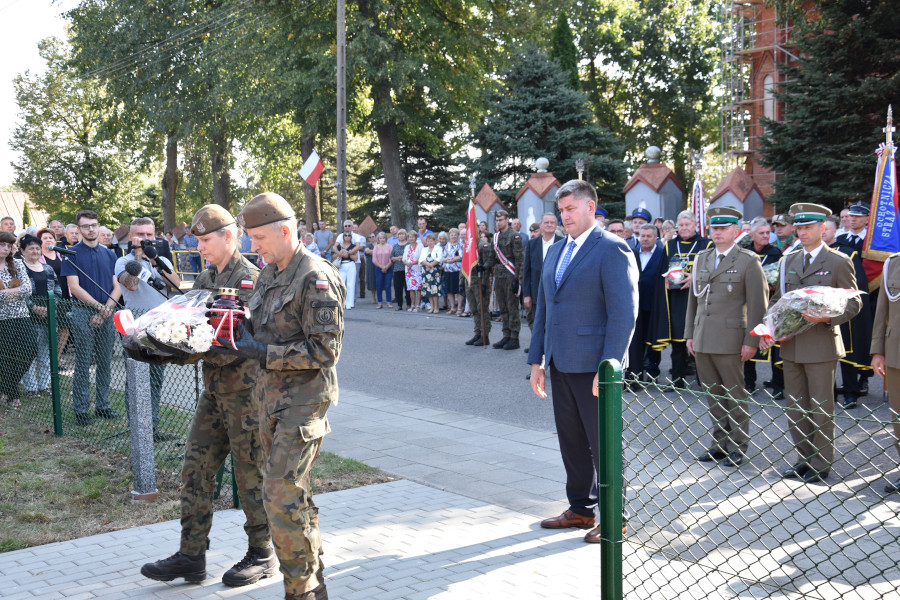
(755, 48)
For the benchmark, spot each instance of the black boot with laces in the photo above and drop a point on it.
(192, 568)
(257, 564)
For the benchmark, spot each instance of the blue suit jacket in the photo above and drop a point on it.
(534, 260)
(650, 276)
(591, 316)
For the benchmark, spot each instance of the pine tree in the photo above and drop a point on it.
(535, 113)
(835, 102)
(563, 51)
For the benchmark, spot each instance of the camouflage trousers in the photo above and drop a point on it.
(509, 305)
(222, 423)
(291, 440)
(473, 290)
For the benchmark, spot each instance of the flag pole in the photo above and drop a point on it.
(480, 278)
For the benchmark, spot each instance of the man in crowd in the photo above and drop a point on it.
(642, 357)
(600, 215)
(324, 239)
(422, 229)
(190, 243)
(845, 222)
(728, 287)
(478, 292)
(858, 220)
(359, 242)
(857, 333)
(98, 291)
(535, 252)
(784, 232)
(507, 279)
(534, 230)
(616, 227)
(58, 229)
(226, 420)
(392, 239)
(639, 216)
(586, 310)
(295, 334)
(73, 235)
(885, 348)
(145, 292)
(810, 358)
(8, 224)
(768, 254)
(106, 238)
(672, 295)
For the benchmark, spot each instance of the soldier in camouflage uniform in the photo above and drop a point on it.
(508, 279)
(226, 419)
(478, 292)
(295, 331)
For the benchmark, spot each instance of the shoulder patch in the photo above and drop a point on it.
(324, 315)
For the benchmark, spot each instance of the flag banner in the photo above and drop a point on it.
(312, 169)
(470, 243)
(698, 206)
(883, 238)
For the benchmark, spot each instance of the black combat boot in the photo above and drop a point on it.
(257, 564)
(473, 340)
(512, 344)
(192, 568)
(479, 342)
(502, 342)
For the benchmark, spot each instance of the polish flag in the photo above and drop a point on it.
(470, 244)
(312, 169)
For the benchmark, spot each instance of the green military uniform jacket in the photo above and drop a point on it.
(299, 314)
(725, 303)
(487, 258)
(223, 373)
(886, 329)
(510, 244)
(821, 343)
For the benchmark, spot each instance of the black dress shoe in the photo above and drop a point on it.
(473, 340)
(813, 476)
(768, 384)
(849, 402)
(482, 341)
(735, 459)
(796, 472)
(712, 456)
(527, 349)
(499, 345)
(892, 487)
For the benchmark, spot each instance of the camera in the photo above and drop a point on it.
(161, 246)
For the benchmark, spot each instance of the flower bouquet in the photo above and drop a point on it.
(771, 272)
(178, 327)
(784, 319)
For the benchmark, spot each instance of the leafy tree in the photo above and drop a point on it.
(563, 51)
(835, 100)
(535, 113)
(65, 164)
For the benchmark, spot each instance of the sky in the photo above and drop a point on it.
(22, 24)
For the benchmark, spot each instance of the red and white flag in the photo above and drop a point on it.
(470, 243)
(312, 169)
(698, 206)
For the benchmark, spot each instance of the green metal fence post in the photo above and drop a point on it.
(54, 363)
(610, 479)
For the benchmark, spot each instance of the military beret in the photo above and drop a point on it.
(501, 213)
(723, 216)
(534, 226)
(209, 218)
(806, 214)
(859, 209)
(600, 211)
(782, 220)
(641, 213)
(263, 209)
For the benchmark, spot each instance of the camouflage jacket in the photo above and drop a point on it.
(510, 244)
(486, 258)
(223, 373)
(299, 314)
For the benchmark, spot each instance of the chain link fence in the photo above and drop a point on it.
(707, 530)
(61, 372)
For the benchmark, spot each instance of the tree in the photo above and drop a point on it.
(535, 113)
(65, 164)
(835, 100)
(563, 51)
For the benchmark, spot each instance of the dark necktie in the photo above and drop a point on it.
(807, 261)
(719, 259)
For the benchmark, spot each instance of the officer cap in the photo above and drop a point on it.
(723, 216)
(209, 218)
(601, 212)
(263, 209)
(782, 219)
(501, 213)
(807, 214)
(859, 209)
(641, 213)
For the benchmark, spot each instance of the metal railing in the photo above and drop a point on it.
(707, 530)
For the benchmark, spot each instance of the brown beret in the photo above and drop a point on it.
(209, 218)
(263, 209)
(501, 213)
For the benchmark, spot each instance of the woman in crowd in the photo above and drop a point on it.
(413, 273)
(310, 242)
(668, 231)
(430, 260)
(15, 319)
(370, 266)
(43, 279)
(453, 252)
(344, 256)
(383, 268)
(52, 258)
(399, 270)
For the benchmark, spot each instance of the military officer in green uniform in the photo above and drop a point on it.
(295, 331)
(225, 420)
(727, 300)
(478, 293)
(508, 279)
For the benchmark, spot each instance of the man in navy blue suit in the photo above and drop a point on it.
(587, 304)
(652, 267)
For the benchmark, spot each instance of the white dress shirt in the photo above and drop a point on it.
(545, 245)
(579, 242)
(646, 256)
